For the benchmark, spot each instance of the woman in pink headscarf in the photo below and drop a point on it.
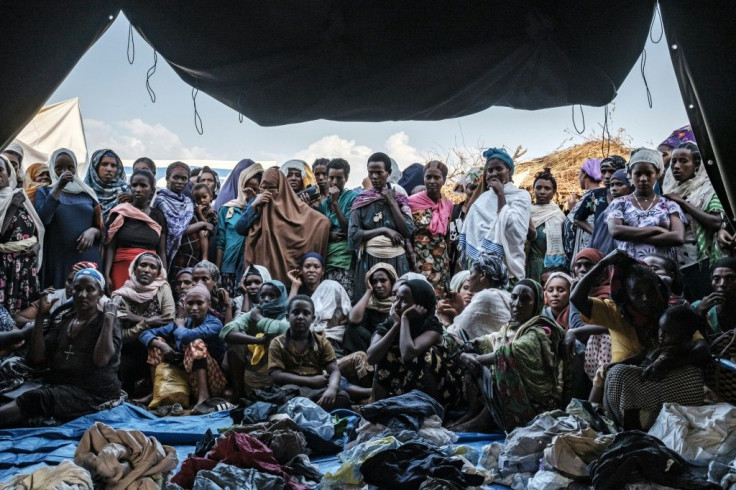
(431, 214)
(576, 235)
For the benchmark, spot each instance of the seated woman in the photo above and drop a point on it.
(307, 278)
(182, 283)
(82, 349)
(193, 341)
(133, 228)
(557, 298)
(498, 216)
(520, 371)
(250, 286)
(459, 284)
(300, 358)
(248, 338)
(147, 302)
(644, 223)
(638, 299)
(408, 351)
(719, 307)
(490, 308)
(667, 270)
(545, 228)
(371, 310)
(207, 274)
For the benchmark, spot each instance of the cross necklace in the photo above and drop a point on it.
(70, 349)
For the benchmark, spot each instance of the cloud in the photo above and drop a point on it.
(398, 148)
(135, 138)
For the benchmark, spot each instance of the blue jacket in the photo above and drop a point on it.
(208, 331)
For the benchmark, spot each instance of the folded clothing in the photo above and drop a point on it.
(405, 411)
(66, 476)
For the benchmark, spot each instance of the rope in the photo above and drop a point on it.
(657, 14)
(642, 65)
(606, 131)
(574, 124)
(131, 45)
(149, 74)
(197, 119)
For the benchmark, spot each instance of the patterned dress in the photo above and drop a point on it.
(431, 251)
(18, 272)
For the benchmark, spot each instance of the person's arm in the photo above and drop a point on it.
(147, 336)
(37, 349)
(581, 334)
(197, 227)
(105, 346)
(220, 240)
(584, 225)
(341, 218)
(380, 344)
(272, 327)
(619, 231)
(327, 400)
(281, 377)
(109, 258)
(209, 329)
(401, 221)
(296, 282)
(580, 217)
(579, 296)
(236, 337)
(247, 219)
(15, 203)
(357, 312)
(698, 355)
(711, 221)
(46, 205)
(409, 347)
(15, 336)
(674, 237)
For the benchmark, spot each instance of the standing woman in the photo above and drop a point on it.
(21, 241)
(70, 213)
(431, 214)
(298, 174)
(470, 182)
(37, 175)
(230, 188)
(281, 228)
(209, 177)
(577, 234)
(545, 230)
(644, 223)
(106, 176)
(229, 243)
(498, 216)
(133, 228)
(688, 185)
(380, 222)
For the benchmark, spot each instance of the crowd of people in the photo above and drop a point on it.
(500, 305)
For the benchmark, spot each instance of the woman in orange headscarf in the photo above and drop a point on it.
(284, 228)
(37, 175)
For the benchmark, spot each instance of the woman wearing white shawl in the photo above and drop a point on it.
(546, 249)
(497, 216)
(331, 309)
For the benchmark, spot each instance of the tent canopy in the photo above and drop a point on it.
(301, 60)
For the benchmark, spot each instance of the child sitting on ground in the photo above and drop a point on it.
(300, 357)
(195, 342)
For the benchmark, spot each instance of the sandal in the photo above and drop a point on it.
(211, 406)
(177, 410)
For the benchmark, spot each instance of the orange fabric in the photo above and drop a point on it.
(287, 229)
(121, 265)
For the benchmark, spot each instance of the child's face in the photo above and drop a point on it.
(301, 316)
(197, 305)
(670, 332)
(202, 197)
(659, 267)
(268, 293)
(619, 188)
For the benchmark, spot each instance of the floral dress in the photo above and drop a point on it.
(431, 251)
(657, 215)
(18, 272)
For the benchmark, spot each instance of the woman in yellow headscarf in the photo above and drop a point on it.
(37, 175)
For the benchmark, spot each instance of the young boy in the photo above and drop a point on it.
(299, 358)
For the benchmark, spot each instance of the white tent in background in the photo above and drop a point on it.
(55, 126)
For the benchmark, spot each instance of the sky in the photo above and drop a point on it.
(118, 113)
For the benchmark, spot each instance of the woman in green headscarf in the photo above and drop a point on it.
(519, 371)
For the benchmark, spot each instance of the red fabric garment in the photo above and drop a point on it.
(241, 450)
(121, 265)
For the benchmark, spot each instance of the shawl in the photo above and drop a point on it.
(488, 311)
(339, 255)
(258, 270)
(602, 289)
(330, 298)
(178, 211)
(374, 303)
(457, 281)
(107, 192)
(368, 197)
(127, 210)
(697, 191)
(551, 216)
(412, 176)
(646, 155)
(241, 200)
(276, 308)
(76, 186)
(563, 318)
(231, 187)
(306, 171)
(29, 181)
(681, 135)
(6, 197)
(538, 293)
(441, 211)
(286, 230)
(423, 294)
(487, 230)
(135, 291)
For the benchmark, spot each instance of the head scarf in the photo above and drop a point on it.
(306, 171)
(472, 175)
(198, 289)
(621, 176)
(231, 188)
(563, 319)
(258, 270)
(329, 299)
(493, 266)
(614, 161)
(413, 276)
(646, 155)
(210, 170)
(538, 294)
(502, 155)
(94, 274)
(17, 148)
(592, 168)
(6, 198)
(276, 308)
(489, 155)
(678, 136)
(76, 186)
(137, 292)
(697, 190)
(374, 303)
(241, 200)
(311, 255)
(178, 210)
(441, 211)
(726, 262)
(29, 181)
(412, 176)
(602, 289)
(287, 229)
(107, 192)
(184, 270)
(396, 173)
(457, 281)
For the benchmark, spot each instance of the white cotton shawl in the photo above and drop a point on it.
(76, 186)
(486, 230)
(330, 298)
(552, 216)
(488, 311)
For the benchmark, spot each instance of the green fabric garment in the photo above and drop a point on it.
(339, 256)
(265, 326)
(705, 240)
